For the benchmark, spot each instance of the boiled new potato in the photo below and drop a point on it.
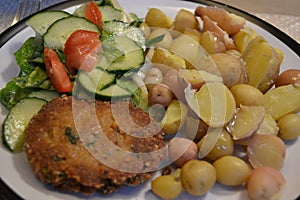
(157, 18)
(232, 69)
(175, 83)
(229, 22)
(211, 43)
(166, 187)
(268, 126)
(182, 150)
(189, 49)
(223, 147)
(289, 126)
(232, 171)
(193, 33)
(166, 41)
(160, 94)
(212, 26)
(194, 128)
(282, 101)
(263, 63)
(266, 150)
(198, 77)
(213, 103)
(265, 181)
(198, 177)
(229, 67)
(247, 95)
(244, 37)
(246, 121)
(164, 57)
(175, 117)
(185, 20)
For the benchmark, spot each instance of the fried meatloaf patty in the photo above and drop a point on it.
(59, 158)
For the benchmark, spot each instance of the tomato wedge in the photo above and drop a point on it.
(82, 49)
(93, 14)
(56, 71)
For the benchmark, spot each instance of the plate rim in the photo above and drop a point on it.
(6, 35)
(9, 33)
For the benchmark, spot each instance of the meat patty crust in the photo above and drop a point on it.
(59, 157)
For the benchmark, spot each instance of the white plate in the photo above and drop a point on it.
(15, 170)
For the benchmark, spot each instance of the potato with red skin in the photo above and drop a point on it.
(229, 22)
(265, 183)
(160, 94)
(210, 25)
(266, 150)
(172, 79)
(182, 150)
(289, 76)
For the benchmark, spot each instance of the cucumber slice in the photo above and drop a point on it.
(108, 12)
(133, 58)
(113, 92)
(96, 80)
(47, 95)
(41, 21)
(17, 121)
(58, 33)
(120, 28)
